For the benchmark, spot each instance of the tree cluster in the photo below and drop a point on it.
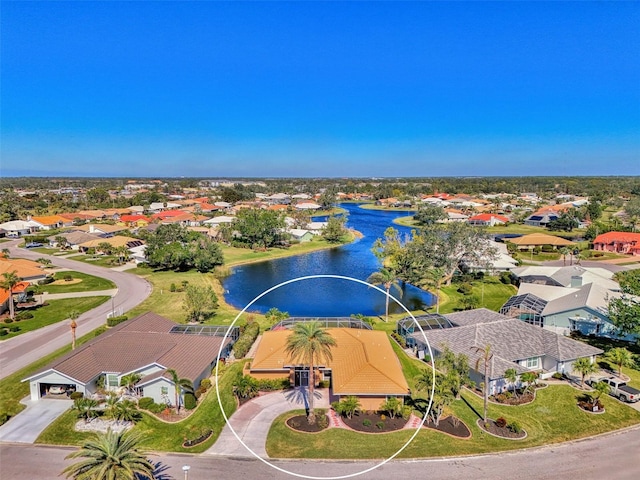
(173, 247)
(624, 311)
(254, 228)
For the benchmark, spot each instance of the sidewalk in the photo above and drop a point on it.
(96, 293)
(252, 421)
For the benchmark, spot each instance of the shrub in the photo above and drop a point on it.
(146, 402)
(8, 320)
(67, 278)
(76, 395)
(23, 316)
(14, 328)
(46, 281)
(242, 346)
(270, 385)
(199, 392)
(465, 288)
(557, 376)
(205, 384)
(156, 408)
(514, 426)
(100, 330)
(190, 401)
(380, 425)
(501, 422)
(324, 384)
(406, 412)
(506, 278)
(172, 288)
(400, 339)
(3, 332)
(366, 422)
(113, 321)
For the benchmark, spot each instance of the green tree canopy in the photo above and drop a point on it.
(173, 247)
(199, 302)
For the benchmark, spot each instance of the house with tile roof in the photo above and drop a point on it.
(27, 270)
(488, 219)
(538, 240)
(626, 243)
(51, 222)
(18, 290)
(514, 344)
(149, 345)
(363, 364)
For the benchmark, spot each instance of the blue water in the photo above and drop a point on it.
(325, 297)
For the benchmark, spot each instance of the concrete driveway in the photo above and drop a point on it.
(252, 421)
(28, 424)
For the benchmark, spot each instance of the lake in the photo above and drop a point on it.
(326, 297)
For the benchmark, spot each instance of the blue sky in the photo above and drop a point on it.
(223, 89)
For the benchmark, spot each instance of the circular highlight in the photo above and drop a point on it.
(312, 477)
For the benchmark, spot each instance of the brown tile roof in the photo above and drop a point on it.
(139, 342)
(540, 239)
(363, 363)
(24, 268)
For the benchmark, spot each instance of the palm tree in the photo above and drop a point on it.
(511, 376)
(180, 384)
(600, 388)
(388, 279)
(486, 358)
(584, 367)
(310, 344)
(564, 251)
(110, 456)
(621, 357)
(5, 252)
(127, 411)
(529, 378)
(73, 315)
(433, 278)
(86, 408)
(443, 392)
(111, 405)
(129, 381)
(123, 253)
(9, 282)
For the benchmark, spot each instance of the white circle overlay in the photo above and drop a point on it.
(310, 277)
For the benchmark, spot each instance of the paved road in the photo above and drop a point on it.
(610, 456)
(20, 351)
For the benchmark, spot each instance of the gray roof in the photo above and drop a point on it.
(510, 339)
(473, 317)
(137, 343)
(591, 296)
(76, 237)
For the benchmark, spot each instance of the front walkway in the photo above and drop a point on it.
(29, 424)
(252, 421)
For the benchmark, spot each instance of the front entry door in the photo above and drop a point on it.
(302, 378)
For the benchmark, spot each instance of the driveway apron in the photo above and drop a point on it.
(29, 424)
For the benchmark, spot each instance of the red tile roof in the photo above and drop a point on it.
(618, 237)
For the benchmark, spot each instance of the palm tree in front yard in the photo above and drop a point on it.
(584, 366)
(110, 456)
(486, 359)
(180, 384)
(310, 344)
(621, 357)
(8, 282)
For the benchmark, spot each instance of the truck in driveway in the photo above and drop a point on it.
(618, 388)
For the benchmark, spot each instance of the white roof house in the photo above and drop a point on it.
(307, 206)
(15, 228)
(218, 220)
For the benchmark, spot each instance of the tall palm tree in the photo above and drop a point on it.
(388, 279)
(110, 456)
(73, 315)
(511, 375)
(9, 282)
(310, 344)
(485, 358)
(621, 357)
(584, 367)
(183, 384)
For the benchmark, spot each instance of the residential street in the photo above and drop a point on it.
(20, 351)
(609, 456)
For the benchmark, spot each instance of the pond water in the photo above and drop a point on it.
(326, 297)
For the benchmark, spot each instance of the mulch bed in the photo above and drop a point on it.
(388, 424)
(299, 423)
(197, 441)
(502, 432)
(448, 425)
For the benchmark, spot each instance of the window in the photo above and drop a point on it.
(112, 380)
(533, 362)
(164, 390)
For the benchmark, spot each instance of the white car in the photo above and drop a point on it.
(57, 390)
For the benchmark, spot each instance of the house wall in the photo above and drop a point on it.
(154, 390)
(560, 322)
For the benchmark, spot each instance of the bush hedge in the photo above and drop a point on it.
(248, 336)
(23, 316)
(190, 401)
(113, 321)
(146, 402)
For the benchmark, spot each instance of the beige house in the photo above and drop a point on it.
(363, 364)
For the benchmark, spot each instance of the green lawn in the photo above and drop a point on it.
(159, 435)
(100, 260)
(88, 283)
(553, 417)
(45, 250)
(491, 294)
(55, 311)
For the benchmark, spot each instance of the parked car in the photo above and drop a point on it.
(33, 245)
(618, 388)
(57, 389)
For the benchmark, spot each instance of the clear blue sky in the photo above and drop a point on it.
(221, 89)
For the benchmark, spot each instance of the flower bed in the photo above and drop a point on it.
(300, 423)
(374, 423)
(451, 426)
(195, 441)
(503, 431)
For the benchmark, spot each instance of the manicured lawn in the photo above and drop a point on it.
(158, 435)
(491, 294)
(55, 311)
(100, 260)
(88, 283)
(45, 250)
(553, 417)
